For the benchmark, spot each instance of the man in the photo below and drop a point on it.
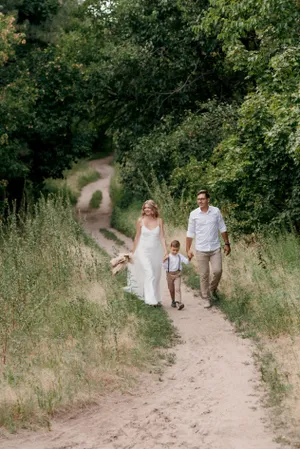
(205, 222)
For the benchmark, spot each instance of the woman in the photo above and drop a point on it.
(149, 250)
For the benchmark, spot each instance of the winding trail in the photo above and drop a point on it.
(209, 399)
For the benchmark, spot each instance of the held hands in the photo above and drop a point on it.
(165, 256)
(190, 255)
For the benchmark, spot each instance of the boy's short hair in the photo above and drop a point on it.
(175, 244)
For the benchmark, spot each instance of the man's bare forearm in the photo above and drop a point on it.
(188, 244)
(225, 237)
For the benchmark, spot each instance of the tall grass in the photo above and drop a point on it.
(65, 329)
(73, 181)
(125, 211)
(175, 212)
(261, 284)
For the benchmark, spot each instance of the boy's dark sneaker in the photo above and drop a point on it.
(173, 304)
(180, 306)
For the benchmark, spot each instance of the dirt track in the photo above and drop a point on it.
(209, 399)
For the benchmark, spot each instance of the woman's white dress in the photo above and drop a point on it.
(144, 274)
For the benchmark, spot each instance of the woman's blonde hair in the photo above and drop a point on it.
(153, 206)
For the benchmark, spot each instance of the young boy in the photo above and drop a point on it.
(173, 266)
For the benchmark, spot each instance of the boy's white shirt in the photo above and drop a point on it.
(175, 262)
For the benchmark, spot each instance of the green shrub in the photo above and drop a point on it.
(96, 199)
(60, 187)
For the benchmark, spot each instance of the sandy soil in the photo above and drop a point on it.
(210, 398)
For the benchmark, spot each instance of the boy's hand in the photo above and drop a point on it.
(165, 257)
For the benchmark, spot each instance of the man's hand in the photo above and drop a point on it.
(227, 250)
(190, 254)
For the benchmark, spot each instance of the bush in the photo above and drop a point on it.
(172, 145)
(96, 199)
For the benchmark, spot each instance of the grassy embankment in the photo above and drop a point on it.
(73, 181)
(260, 293)
(66, 332)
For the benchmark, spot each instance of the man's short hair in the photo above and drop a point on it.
(205, 192)
(175, 244)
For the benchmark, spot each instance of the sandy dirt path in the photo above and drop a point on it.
(209, 399)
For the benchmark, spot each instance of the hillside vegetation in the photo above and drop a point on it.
(192, 93)
(66, 331)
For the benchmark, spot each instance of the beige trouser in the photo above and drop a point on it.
(209, 283)
(174, 285)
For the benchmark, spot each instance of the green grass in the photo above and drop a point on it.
(264, 296)
(125, 213)
(96, 199)
(191, 277)
(124, 219)
(61, 337)
(109, 235)
(73, 181)
(153, 325)
(55, 187)
(278, 388)
(127, 208)
(86, 179)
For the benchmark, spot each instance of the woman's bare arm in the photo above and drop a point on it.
(163, 238)
(137, 235)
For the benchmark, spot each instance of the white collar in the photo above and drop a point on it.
(208, 210)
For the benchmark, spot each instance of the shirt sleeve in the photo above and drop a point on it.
(184, 259)
(222, 226)
(191, 227)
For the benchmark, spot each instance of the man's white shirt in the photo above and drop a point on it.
(205, 226)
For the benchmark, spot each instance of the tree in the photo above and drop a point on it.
(261, 159)
(8, 38)
(47, 105)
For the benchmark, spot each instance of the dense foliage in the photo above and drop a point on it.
(198, 93)
(47, 110)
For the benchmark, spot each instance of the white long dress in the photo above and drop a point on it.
(144, 274)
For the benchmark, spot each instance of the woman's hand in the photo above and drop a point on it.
(165, 257)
